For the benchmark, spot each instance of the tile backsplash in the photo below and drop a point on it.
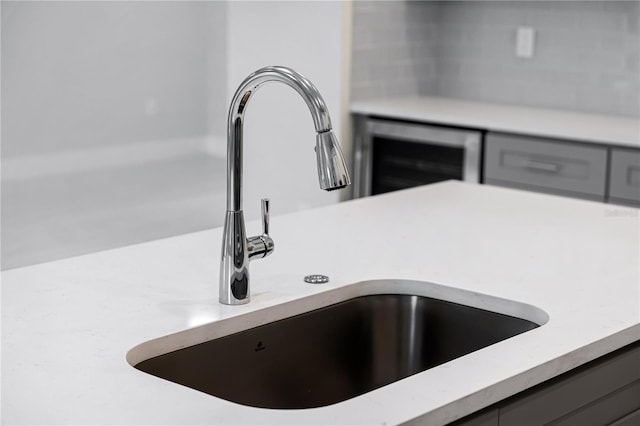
(394, 48)
(586, 54)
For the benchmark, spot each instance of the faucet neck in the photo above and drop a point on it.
(247, 88)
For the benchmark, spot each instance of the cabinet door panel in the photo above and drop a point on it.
(624, 181)
(567, 394)
(604, 410)
(632, 419)
(543, 190)
(483, 418)
(546, 164)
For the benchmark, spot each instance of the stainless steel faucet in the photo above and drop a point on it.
(237, 250)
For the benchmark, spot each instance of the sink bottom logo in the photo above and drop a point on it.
(260, 347)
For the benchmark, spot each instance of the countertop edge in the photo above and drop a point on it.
(135, 289)
(574, 126)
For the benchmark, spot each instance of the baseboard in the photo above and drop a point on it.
(37, 166)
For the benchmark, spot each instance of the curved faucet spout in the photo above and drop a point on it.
(301, 84)
(237, 250)
(319, 113)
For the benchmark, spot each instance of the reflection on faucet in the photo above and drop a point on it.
(237, 250)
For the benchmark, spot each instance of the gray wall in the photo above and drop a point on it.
(394, 48)
(80, 75)
(586, 56)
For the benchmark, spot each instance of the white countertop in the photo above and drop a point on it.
(604, 129)
(68, 325)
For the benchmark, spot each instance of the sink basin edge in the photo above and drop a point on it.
(227, 326)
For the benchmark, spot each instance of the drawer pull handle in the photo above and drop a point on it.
(541, 166)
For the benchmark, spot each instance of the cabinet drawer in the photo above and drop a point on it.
(624, 181)
(632, 419)
(603, 391)
(488, 417)
(605, 410)
(546, 164)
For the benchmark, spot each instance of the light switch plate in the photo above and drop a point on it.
(525, 42)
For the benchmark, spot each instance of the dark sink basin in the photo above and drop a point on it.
(334, 353)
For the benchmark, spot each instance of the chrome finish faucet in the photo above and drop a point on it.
(237, 250)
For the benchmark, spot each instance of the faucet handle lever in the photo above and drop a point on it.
(265, 216)
(262, 245)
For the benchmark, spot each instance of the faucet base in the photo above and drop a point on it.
(234, 270)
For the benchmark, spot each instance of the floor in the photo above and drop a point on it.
(52, 218)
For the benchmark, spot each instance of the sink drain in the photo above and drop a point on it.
(316, 279)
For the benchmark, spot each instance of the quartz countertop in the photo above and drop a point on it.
(594, 128)
(68, 325)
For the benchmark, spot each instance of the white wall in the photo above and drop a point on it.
(152, 78)
(107, 108)
(84, 75)
(279, 135)
(216, 70)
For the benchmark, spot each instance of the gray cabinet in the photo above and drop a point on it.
(598, 172)
(603, 392)
(624, 176)
(632, 419)
(597, 394)
(486, 417)
(546, 165)
(593, 172)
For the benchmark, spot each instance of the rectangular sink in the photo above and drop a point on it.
(336, 352)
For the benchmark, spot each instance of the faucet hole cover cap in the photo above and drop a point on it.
(316, 279)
